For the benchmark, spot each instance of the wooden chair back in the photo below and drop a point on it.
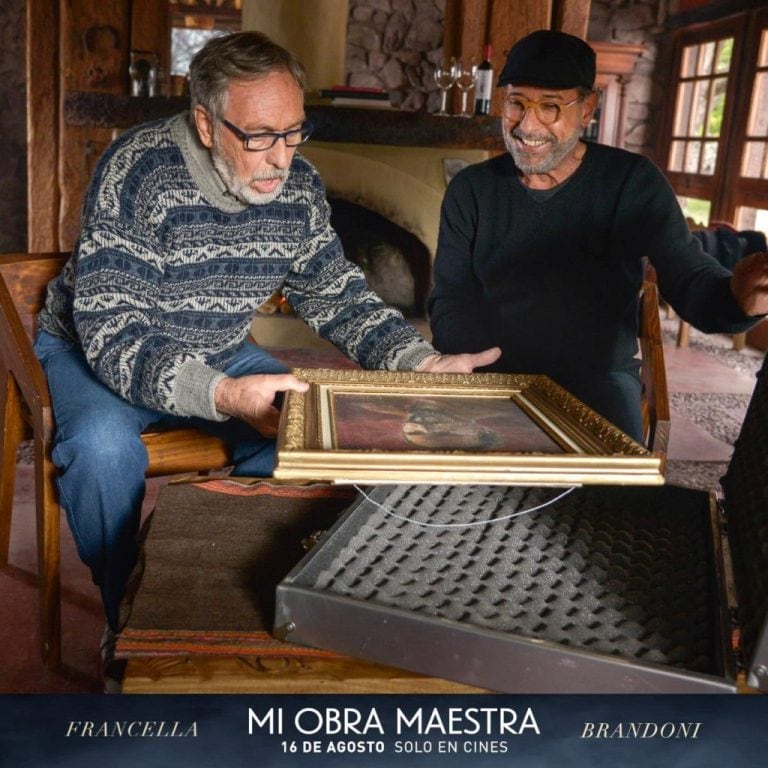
(653, 373)
(25, 411)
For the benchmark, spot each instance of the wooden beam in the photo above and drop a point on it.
(42, 63)
(151, 31)
(453, 27)
(511, 21)
(334, 124)
(472, 29)
(93, 57)
(571, 16)
(473, 23)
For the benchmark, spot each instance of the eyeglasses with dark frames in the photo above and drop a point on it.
(547, 112)
(260, 142)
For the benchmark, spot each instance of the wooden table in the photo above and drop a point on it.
(294, 674)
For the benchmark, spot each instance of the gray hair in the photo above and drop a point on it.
(239, 56)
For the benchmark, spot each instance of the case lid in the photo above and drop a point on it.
(601, 590)
(746, 504)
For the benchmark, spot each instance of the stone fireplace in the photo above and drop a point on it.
(385, 203)
(395, 262)
(385, 171)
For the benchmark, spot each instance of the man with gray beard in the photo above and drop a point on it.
(188, 225)
(541, 250)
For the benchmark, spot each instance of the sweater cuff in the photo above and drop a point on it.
(736, 320)
(194, 391)
(414, 355)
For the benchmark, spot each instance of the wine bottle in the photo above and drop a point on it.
(484, 84)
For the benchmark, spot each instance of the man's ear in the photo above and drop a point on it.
(590, 105)
(204, 125)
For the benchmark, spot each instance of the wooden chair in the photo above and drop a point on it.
(653, 374)
(25, 411)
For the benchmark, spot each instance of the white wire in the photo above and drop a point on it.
(466, 525)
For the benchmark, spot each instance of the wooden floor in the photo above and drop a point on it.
(20, 668)
(226, 674)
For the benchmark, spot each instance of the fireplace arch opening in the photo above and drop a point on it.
(397, 265)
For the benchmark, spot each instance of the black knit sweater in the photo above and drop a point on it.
(554, 282)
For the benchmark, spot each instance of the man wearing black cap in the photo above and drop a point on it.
(541, 250)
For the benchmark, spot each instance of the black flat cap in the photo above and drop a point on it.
(548, 59)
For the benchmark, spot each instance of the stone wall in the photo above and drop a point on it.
(13, 128)
(636, 22)
(396, 45)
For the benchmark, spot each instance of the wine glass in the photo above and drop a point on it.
(465, 80)
(445, 78)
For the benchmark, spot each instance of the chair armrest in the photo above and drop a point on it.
(19, 359)
(653, 371)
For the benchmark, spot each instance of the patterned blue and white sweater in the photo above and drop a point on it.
(169, 268)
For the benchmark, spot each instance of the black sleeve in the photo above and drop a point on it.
(455, 305)
(695, 284)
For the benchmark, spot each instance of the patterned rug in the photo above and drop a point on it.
(746, 361)
(699, 475)
(721, 415)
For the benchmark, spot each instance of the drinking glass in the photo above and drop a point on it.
(445, 78)
(465, 81)
(143, 71)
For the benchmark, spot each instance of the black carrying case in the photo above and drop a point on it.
(745, 488)
(605, 589)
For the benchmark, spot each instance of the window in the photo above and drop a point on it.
(755, 162)
(185, 43)
(193, 23)
(699, 106)
(716, 147)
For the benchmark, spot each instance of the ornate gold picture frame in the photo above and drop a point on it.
(375, 427)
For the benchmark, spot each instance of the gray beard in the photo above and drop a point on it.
(241, 188)
(558, 151)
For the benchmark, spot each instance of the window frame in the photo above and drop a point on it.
(726, 189)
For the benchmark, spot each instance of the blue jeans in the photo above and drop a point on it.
(617, 395)
(102, 461)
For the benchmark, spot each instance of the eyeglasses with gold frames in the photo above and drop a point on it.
(547, 112)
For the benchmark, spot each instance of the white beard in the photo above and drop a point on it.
(241, 188)
(558, 151)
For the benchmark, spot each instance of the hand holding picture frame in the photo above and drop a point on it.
(378, 427)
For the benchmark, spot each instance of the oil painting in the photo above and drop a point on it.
(377, 427)
(395, 422)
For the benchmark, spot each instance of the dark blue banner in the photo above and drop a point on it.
(397, 730)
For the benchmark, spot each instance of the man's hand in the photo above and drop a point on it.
(460, 363)
(250, 398)
(749, 284)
